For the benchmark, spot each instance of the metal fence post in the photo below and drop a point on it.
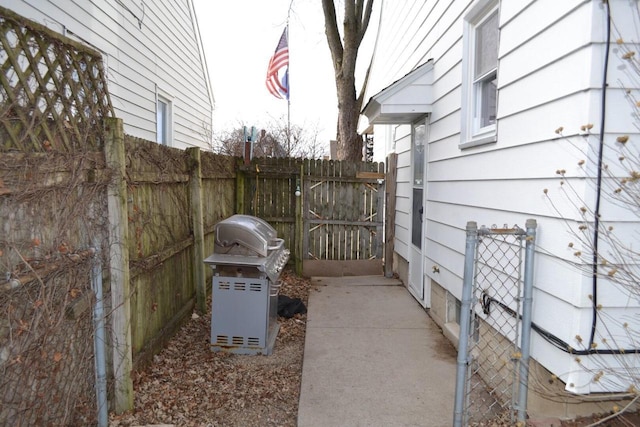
(465, 322)
(525, 343)
(99, 340)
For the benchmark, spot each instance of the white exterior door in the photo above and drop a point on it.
(416, 258)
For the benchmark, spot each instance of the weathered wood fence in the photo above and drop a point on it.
(53, 100)
(75, 189)
(174, 200)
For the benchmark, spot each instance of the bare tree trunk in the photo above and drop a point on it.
(349, 142)
(344, 54)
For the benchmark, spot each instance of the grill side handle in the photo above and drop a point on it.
(274, 288)
(276, 244)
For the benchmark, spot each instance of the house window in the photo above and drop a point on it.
(480, 74)
(453, 309)
(163, 121)
(454, 316)
(419, 136)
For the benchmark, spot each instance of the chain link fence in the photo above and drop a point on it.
(495, 325)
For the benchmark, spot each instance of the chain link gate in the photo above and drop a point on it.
(495, 325)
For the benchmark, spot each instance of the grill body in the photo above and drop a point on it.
(247, 262)
(244, 315)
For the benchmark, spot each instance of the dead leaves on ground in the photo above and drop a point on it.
(189, 385)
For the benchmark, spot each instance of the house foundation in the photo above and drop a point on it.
(547, 396)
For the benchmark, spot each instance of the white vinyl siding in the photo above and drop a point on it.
(157, 46)
(550, 70)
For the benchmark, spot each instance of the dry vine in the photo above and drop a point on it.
(52, 220)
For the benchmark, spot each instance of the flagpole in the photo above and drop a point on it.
(289, 86)
(277, 84)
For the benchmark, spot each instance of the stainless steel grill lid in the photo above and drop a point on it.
(246, 242)
(248, 232)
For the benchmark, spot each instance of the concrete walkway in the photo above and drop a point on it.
(373, 357)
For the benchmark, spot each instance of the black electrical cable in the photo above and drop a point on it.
(596, 210)
(557, 342)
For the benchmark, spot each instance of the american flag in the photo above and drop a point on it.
(277, 81)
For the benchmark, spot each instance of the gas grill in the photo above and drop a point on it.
(247, 261)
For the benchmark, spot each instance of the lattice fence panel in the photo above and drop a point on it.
(53, 91)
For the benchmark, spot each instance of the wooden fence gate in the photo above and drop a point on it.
(343, 211)
(338, 215)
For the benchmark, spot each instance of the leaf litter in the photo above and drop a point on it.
(189, 385)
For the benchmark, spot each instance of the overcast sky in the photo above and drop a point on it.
(240, 36)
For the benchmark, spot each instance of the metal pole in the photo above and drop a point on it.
(289, 86)
(465, 323)
(288, 121)
(98, 341)
(247, 147)
(525, 343)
